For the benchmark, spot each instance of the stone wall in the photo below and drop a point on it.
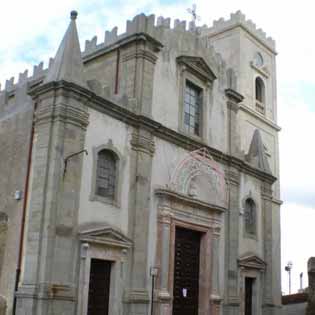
(16, 111)
(294, 304)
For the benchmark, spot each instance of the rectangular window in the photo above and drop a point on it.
(192, 109)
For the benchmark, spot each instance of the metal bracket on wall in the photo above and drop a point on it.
(69, 157)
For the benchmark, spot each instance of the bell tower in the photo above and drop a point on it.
(252, 56)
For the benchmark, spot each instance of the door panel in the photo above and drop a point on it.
(186, 272)
(248, 295)
(99, 287)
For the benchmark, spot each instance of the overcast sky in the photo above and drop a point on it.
(32, 30)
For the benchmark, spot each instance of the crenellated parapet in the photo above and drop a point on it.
(140, 24)
(239, 19)
(158, 29)
(19, 87)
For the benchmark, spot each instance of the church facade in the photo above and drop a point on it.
(141, 176)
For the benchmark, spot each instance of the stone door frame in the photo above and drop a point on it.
(251, 266)
(106, 244)
(176, 210)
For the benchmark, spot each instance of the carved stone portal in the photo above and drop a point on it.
(199, 176)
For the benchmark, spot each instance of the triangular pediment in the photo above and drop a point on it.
(198, 66)
(252, 262)
(106, 235)
(257, 153)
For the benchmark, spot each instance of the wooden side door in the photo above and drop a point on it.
(99, 287)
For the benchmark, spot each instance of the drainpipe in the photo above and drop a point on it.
(117, 71)
(25, 199)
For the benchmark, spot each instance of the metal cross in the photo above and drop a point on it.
(193, 12)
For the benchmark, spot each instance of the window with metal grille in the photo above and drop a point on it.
(192, 109)
(106, 174)
(250, 217)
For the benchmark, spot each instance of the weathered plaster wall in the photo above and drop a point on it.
(100, 131)
(15, 129)
(102, 69)
(250, 187)
(168, 88)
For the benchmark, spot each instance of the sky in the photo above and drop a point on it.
(32, 30)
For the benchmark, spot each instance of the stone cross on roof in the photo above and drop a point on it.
(193, 12)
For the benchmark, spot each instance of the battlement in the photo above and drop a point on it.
(39, 73)
(239, 19)
(139, 24)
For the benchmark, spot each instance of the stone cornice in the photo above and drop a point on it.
(195, 203)
(140, 121)
(60, 111)
(234, 96)
(260, 117)
(198, 66)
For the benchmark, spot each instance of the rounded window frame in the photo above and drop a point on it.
(260, 103)
(248, 234)
(116, 201)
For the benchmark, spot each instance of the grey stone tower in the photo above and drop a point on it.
(49, 278)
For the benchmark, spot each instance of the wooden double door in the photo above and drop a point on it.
(186, 272)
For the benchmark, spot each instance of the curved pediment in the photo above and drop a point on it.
(198, 66)
(106, 235)
(252, 262)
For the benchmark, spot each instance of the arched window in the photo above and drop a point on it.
(106, 174)
(250, 217)
(260, 95)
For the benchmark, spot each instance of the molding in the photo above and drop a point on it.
(247, 30)
(197, 66)
(234, 96)
(105, 235)
(259, 116)
(260, 70)
(252, 262)
(195, 203)
(120, 113)
(142, 143)
(277, 201)
(137, 296)
(116, 201)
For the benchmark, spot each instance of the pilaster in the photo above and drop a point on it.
(137, 296)
(216, 297)
(50, 266)
(138, 63)
(269, 294)
(233, 100)
(232, 299)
